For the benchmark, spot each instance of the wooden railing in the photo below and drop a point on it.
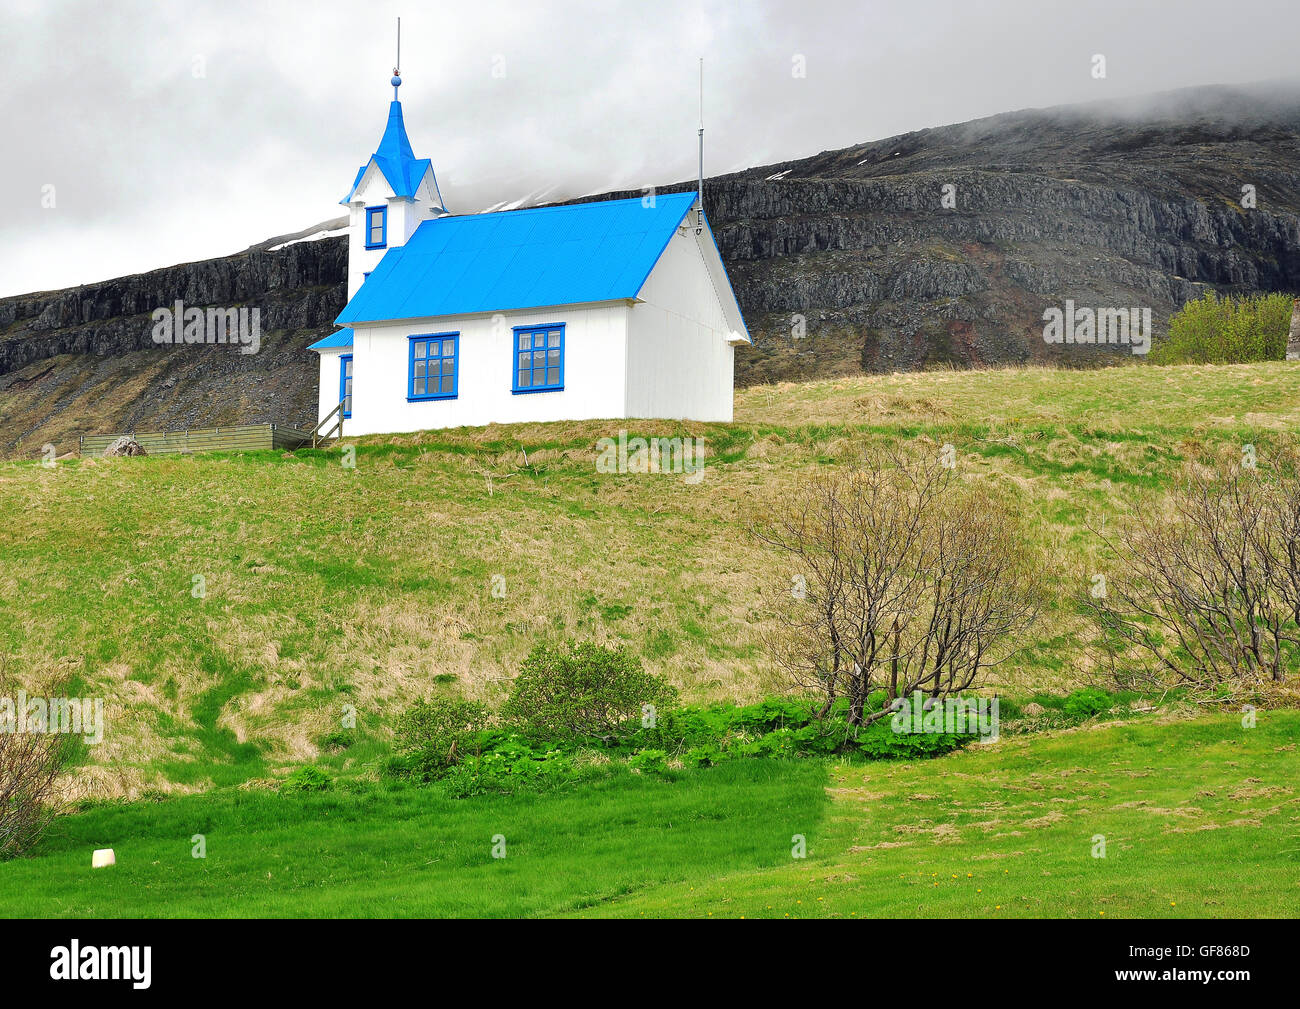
(335, 432)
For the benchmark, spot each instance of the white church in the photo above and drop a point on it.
(617, 309)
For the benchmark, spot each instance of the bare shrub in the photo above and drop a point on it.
(31, 768)
(1205, 586)
(903, 578)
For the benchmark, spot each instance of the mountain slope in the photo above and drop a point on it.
(1107, 204)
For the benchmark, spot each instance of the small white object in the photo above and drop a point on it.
(102, 857)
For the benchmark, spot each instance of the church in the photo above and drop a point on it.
(611, 309)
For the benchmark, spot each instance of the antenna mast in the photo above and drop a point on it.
(397, 67)
(699, 213)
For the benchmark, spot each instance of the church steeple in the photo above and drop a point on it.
(396, 160)
(393, 193)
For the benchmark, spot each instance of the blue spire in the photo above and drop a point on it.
(395, 158)
(395, 142)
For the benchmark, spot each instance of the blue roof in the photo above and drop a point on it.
(343, 338)
(569, 255)
(395, 158)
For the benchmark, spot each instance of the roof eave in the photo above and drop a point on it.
(484, 313)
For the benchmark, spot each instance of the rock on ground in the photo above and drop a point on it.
(126, 445)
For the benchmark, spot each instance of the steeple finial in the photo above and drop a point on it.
(397, 71)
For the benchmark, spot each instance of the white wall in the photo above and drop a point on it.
(329, 381)
(404, 216)
(680, 364)
(667, 355)
(595, 353)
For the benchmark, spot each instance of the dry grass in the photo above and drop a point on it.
(328, 587)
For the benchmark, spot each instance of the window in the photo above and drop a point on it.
(376, 227)
(345, 383)
(539, 358)
(433, 370)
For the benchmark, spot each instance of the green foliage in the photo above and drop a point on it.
(518, 757)
(1085, 702)
(308, 778)
(508, 764)
(706, 735)
(1229, 330)
(653, 761)
(339, 739)
(583, 692)
(879, 741)
(434, 736)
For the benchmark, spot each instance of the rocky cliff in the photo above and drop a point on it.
(943, 246)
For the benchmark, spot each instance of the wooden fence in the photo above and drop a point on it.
(248, 438)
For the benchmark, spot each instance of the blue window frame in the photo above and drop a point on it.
(538, 356)
(434, 366)
(376, 227)
(345, 383)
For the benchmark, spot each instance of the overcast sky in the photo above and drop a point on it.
(189, 129)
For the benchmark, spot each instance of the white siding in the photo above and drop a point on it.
(595, 360)
(680, 364)
(404, 216)
(329, 381)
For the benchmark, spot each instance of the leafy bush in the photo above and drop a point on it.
(1086, 702)
(508, 764)
(583, 692)
(435, 735)
(1229, 330)
(654, 761)
(575, 713)
(709, 734)
(880, 742)
(308, 778)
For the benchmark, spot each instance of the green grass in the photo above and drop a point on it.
(332, 590)
(1201, 819)
(381, 851)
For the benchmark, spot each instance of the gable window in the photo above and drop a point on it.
(345, 383)
(433, 366)
(376, 227)
(539, 358)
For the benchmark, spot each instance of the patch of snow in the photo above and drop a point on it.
(314, 237)
(535, 197)
(779, 175)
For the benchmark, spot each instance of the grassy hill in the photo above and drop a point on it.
(325, 586)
